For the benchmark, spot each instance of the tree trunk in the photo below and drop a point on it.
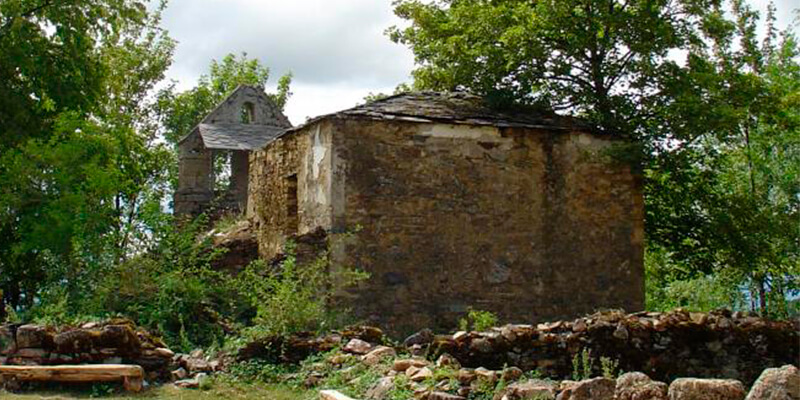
(2, 306)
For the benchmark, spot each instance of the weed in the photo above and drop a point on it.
(609, 367)
(295, 297)
(534, 374)
(478, 320)
(401, 389)
(101, 390)
(582, 365)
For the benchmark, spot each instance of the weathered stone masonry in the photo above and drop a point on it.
(459, 206)
(245, 121)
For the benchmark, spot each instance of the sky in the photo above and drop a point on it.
(336, 49)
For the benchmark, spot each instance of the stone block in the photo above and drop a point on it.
(590, 389)
(777, 384)
(706, 389)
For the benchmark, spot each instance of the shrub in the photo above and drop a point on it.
(478, 320)
(174, 291)
(294, 298)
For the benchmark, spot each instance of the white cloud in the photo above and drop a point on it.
(336, 49)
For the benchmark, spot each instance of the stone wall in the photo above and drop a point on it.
(528, 224)
(195, 174)
(290, 186)
(665, 346)
(111, 342)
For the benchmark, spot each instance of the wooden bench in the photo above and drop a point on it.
(132, 376)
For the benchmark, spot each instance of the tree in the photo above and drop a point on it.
(601, 59)
(78, 157)
(181, 111)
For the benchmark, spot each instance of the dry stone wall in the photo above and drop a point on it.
(665, 346)
(114, 342)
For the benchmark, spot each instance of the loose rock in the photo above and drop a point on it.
(531, 389)
(638, 386)
(511, 374)
(424, 336)
(777, 384)
(378, 353)
(419, 374)
(444, 396)
(179, 374)
(706, 389)
(590, 389)
(357, 346)
(380, 389)
(404, 364)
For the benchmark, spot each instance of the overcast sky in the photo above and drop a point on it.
(336, 49)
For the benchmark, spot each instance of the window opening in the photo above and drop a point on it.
(248, 113)
(291, 204)
(222, 171)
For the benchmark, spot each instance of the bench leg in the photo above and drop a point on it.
(132, 384)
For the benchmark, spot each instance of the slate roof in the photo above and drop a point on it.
(454, 108)
(238, 136)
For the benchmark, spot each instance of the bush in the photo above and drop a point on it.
(667, 289)
(174, 291)
(478, 320)
(295, 298)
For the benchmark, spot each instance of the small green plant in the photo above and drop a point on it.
(11, 315)
(206, 383)
(294, 297)
(101, 390)
(478, 320)
(483, 390)
(582, 364)
(401, 389)
(534, 374)
(609, 367)
(258, 371)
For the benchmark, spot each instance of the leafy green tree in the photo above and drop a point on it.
(602, 59)
(741, 186)
(181, 111)
(78, 159)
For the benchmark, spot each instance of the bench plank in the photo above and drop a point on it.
(132, 376)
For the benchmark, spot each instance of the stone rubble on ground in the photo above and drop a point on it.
(777, 384)
(638, 386)
(706, 389)
(357, 346)
(589, 389)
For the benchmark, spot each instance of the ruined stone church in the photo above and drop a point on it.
(452, 204)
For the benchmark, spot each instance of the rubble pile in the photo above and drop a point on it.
(300, 346)
(112, 342)
(392, 375)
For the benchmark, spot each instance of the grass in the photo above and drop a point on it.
(219, 390)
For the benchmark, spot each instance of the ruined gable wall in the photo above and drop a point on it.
(306, 155)
(195, 176)
(264, 111)
(528, 224)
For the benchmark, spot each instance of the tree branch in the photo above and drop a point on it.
(26, 14)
